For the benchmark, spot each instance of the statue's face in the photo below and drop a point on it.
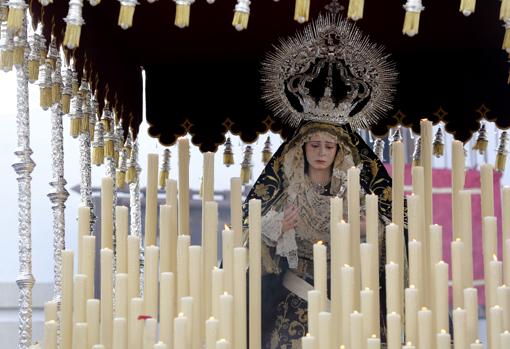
(321, 151)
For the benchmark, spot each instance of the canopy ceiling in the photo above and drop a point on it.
(204, 79)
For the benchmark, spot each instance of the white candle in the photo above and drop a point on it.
(216, 291)
(457, 248)
(459, 328)
(181, 332)
(121, 296)
(393, 294)
(211, 333)
(471, 306)
(187, 310)
(106, 212)
(416, 266)
(236, 210)
(80, 336)
(150, 285)
(208, 177)
(133, 267)
(149, 333)
(466, 233)
(392, 243)
(340, 255)
(240, 265)
(183, 150)
(444, 340)
(373, 342)
(308, 342)
(397, 193)
(411, 314)
(171, 192)
(357, 336)
(487, 187)
(228, 259)
(88, 260)
(505, 207)
(166, 307)
(424, 328)
(504, 340)
(506, 262)
(408, 345)
(489, 231)
(314, 301)
(495, 327)
(167, 239)
(372, 220)
(106, 328)
(160, 345)
(83, 230)
(50, 334)
(347, 277)
(353, 217)
(50, 311)
(476, 345)
(93, 319)
(503, 299)
(227, 317)
(210, 251)
(458, 160)
(441, 295)
(183, 242)
(79, 298)
(121, 231)
(426, 162)
(223, 344)
(367, 273)
(320, 272)
(394, 329)
(495, 280)
(196, 288)
(119, 333)
(369, 313)
(135, 334)
(151, 200)
(255, 275)
(417, 205)
(324, 330)
(67, 299)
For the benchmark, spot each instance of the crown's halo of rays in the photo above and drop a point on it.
(362, 54)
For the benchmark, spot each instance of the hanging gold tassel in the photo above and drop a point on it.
(355, 10)
(18, 55)
(482, 141)
(98, 145)
(56, 79)
(302, 11)
(182, 13)
(504, 10)
(4, 10)
(15, 15)
(74, 22)
(246, 165)
(132, 171)
(126, 13)
(467, 7)
(6, 48)
(109, 149)
(128, 145)
(242, 14)
(92, 124)
(75, 84)
(438, 144)
(412, 17)
(501, 152)
(417, 152)
(118, 136)
(45, 86)
(228, 154)
(66, 92)
(120, 178)
(165, 168)
(267, 152)
(76, 117)
(506, 40)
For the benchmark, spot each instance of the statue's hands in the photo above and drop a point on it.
(290, 218)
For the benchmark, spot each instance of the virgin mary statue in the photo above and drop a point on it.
(324, 83)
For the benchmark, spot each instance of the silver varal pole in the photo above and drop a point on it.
(23, 168)
(86, 173)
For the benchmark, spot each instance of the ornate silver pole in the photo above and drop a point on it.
(23, 169)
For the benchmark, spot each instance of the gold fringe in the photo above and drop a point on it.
(75, 87)
(240, 20)
(45, 97)
(506, 40)
(66, 103)
(15, 19)
(481, 145)
(182, 14)
(438, 150)
(500, 162)
(4, 12)
(84, 126)
(228, 159)
(467, 7)
(107, 125)
(131, 175)
(6, 58)
(18, 55)
(97, 155)
(504, 10)
(109, 149)
(245, 175)
(355, 10)
(120, 179)
(411, 23)
(56, 93)
(302, 11)
(75, 127)
(116, 158)
(72, 36)
(266, 156)
(163, 176)
(43, 52)
(33, 70)
(126, 16)
(91, 131)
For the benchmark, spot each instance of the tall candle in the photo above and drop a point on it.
(79, 298)
(325, 330)
(394, 329)
(340, 255)
(133, 267)
(181, 332)
(495, 278)
(228, 259)
(93, 319)
(372, 220)
(196, 288)
(373, 343)
(106, 328)
(353, 195)
(121, 231)
(457, 247)
(167, 240)
(66, 309)
(121, 295)
(210, 250)
(466, 233)
(149, 333)
(150, 285)
(397, 194)
(459, 328)
(489, 248)
(255, 274)
(393, 294)
(458, 161)
(506, 262)
(240, 265)
(83, 230)
(211, 333)
(426, 162)
(166, 307)
(135, 334)
(216, 291)
(495, 327)
(505, 207)
(223, 344)
(335, 211)
(424, 328)
(504, 340)
(80, 336)
(151, 200)
(320, 272)
(88, 260)
(227, 317)
(370, 279)
(417, 205)
(367, 273)
(476, 345)
(171, 192)
(183, 242)
(183, 150)
(487, 186)
(50, 334)
(106, 212)
(411, 314)
(314, 301)
(503, 299)
(50, 311)
(347, 277)
(208, 177)
(416, 267)
(236, 210)
(441, 295)
(369, 313)
(187, 310)
(471, 306)
(444, 340)
(119, 333)
(160, 345)
(392, 244)
(308, 342)
(357, 336)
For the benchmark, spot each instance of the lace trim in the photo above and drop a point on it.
(285, 243)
